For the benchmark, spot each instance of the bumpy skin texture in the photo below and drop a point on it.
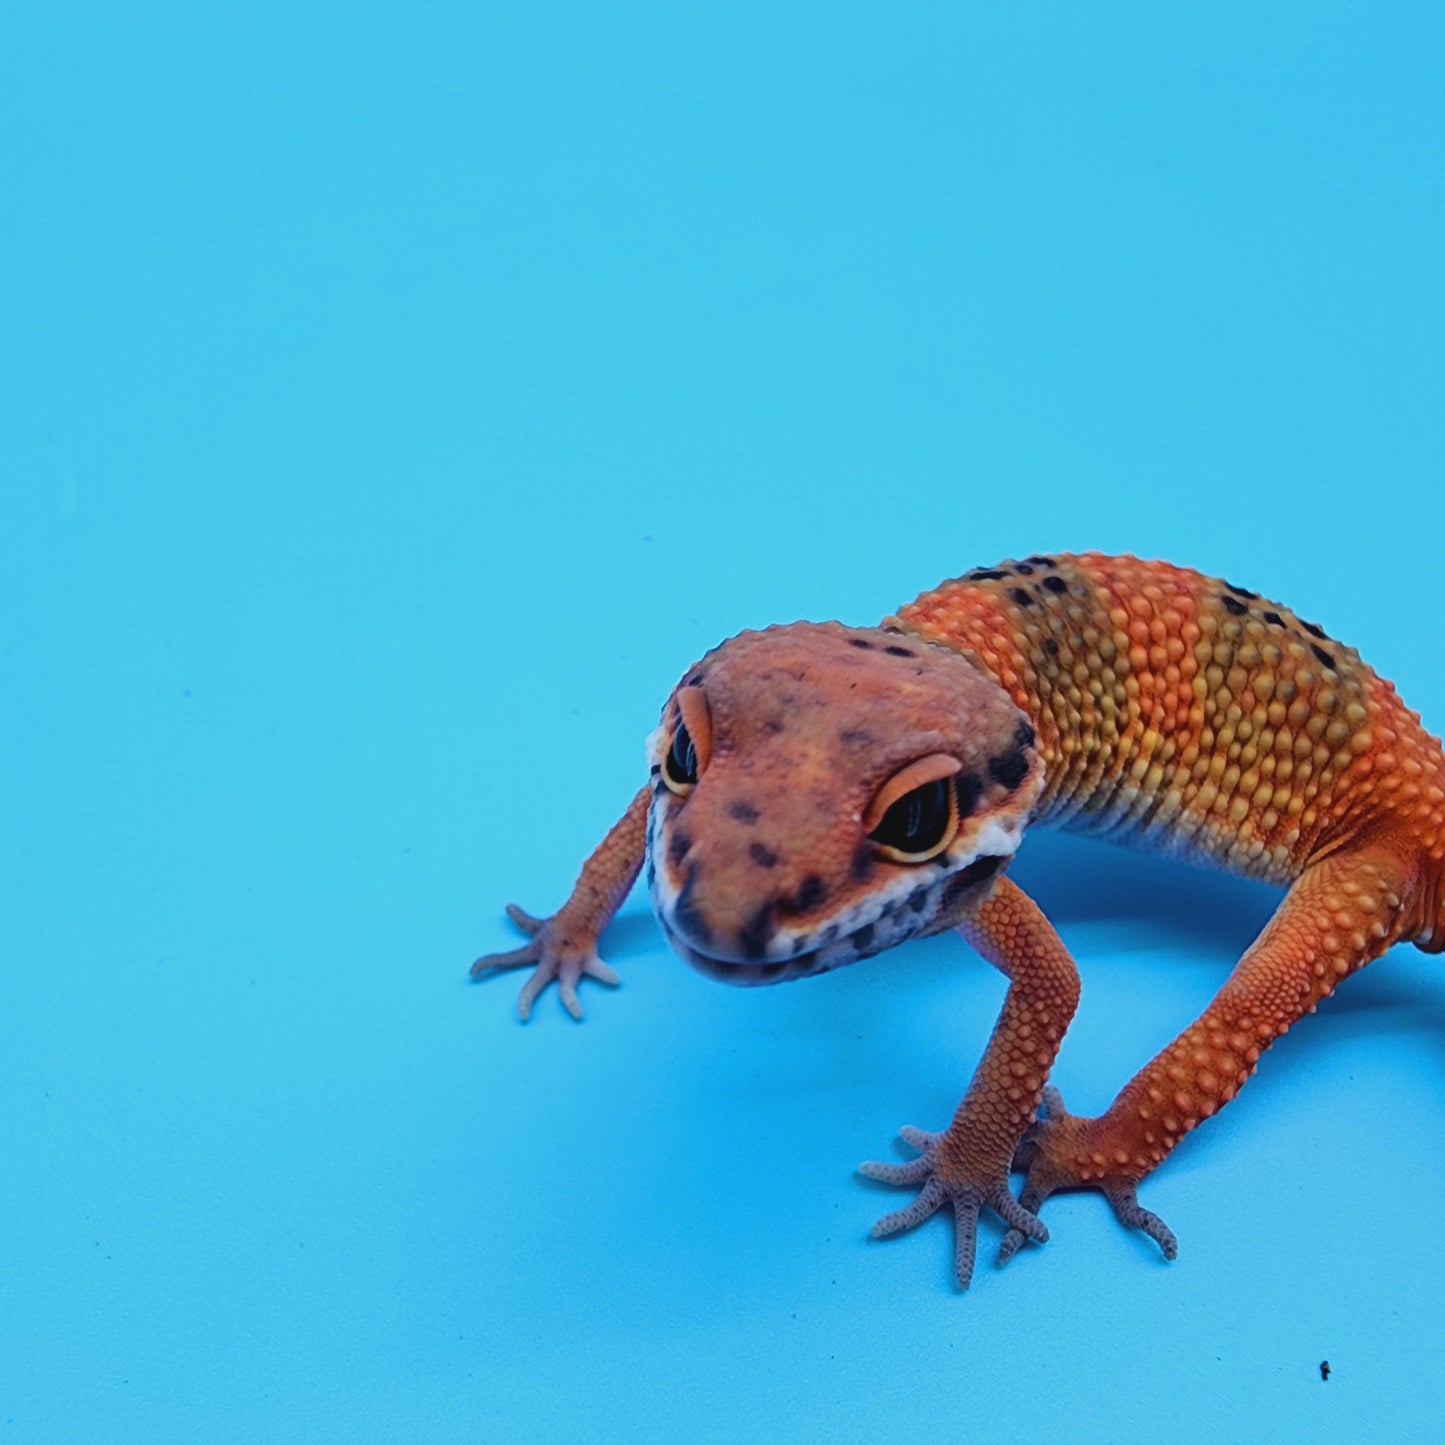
(1135, 700)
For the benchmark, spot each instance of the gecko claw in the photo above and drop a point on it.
(967, 1198)
(1045, 1154)
(553, 961)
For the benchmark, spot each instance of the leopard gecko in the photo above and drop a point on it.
(820, 792)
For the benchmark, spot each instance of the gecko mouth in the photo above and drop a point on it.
(816, 953)
(830, 947)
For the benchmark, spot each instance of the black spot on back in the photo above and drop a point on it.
(763, 857)
(1051, 647)
(1056, 584)
(1043, 561)
(988, 574)
(860, 642)
(1274, 619)
(1009, 768)
(1017, 594)
(1315, 630)
(1232, 606)
(900, 652)
(1024, 569)
(1242, 592)
(743, 812)
(1325, 657)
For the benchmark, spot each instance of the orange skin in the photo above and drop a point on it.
(820, 793)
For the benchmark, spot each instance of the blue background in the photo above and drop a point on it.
(393, 402)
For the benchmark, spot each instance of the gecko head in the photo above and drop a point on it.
(822, 792)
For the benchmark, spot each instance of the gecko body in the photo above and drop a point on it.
(819, 793)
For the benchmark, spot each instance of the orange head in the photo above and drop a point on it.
(822, 792)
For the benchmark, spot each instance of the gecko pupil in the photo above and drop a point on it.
(917, 821)
(682, 759)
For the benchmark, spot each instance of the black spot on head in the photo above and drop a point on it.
(1274, 619)
(1315, 630)
(987, 574)
(897, 631)
(1024, 735)
(969, 787)
(651, 871)
(678, 847)
(860, 642)
(686, 916)
(1232, 606)
(755, 935)
(1056, 584)
(775, 725)
(695, 680)
(1017, 594)
(1024, 569)
(918, 900)
(743, 812)
(1009, 768)
(855, 737)
(1043, 561)
(763, 857)
(1242, 592)
(1051, 647)
(1324, 657)
(900, 652)
(811, 892)
(655, 769)
(862, 937)
(862, 866)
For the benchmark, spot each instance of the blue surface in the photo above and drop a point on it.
(393, 402)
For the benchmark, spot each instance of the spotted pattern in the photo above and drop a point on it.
(1147, 703)
(1183, 714)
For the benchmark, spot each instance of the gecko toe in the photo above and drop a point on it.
(1124, 1201)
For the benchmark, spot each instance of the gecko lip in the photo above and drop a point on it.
(829, 952)
(781, 970)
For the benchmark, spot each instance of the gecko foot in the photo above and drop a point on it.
(968, 1198)
(565, 959)
(1047, 1154)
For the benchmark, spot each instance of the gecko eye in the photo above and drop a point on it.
(679, 768)
(920, 825)
(915, 814)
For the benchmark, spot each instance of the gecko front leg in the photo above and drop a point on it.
(564, 946)
(968, 1164)
(1344, 910)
